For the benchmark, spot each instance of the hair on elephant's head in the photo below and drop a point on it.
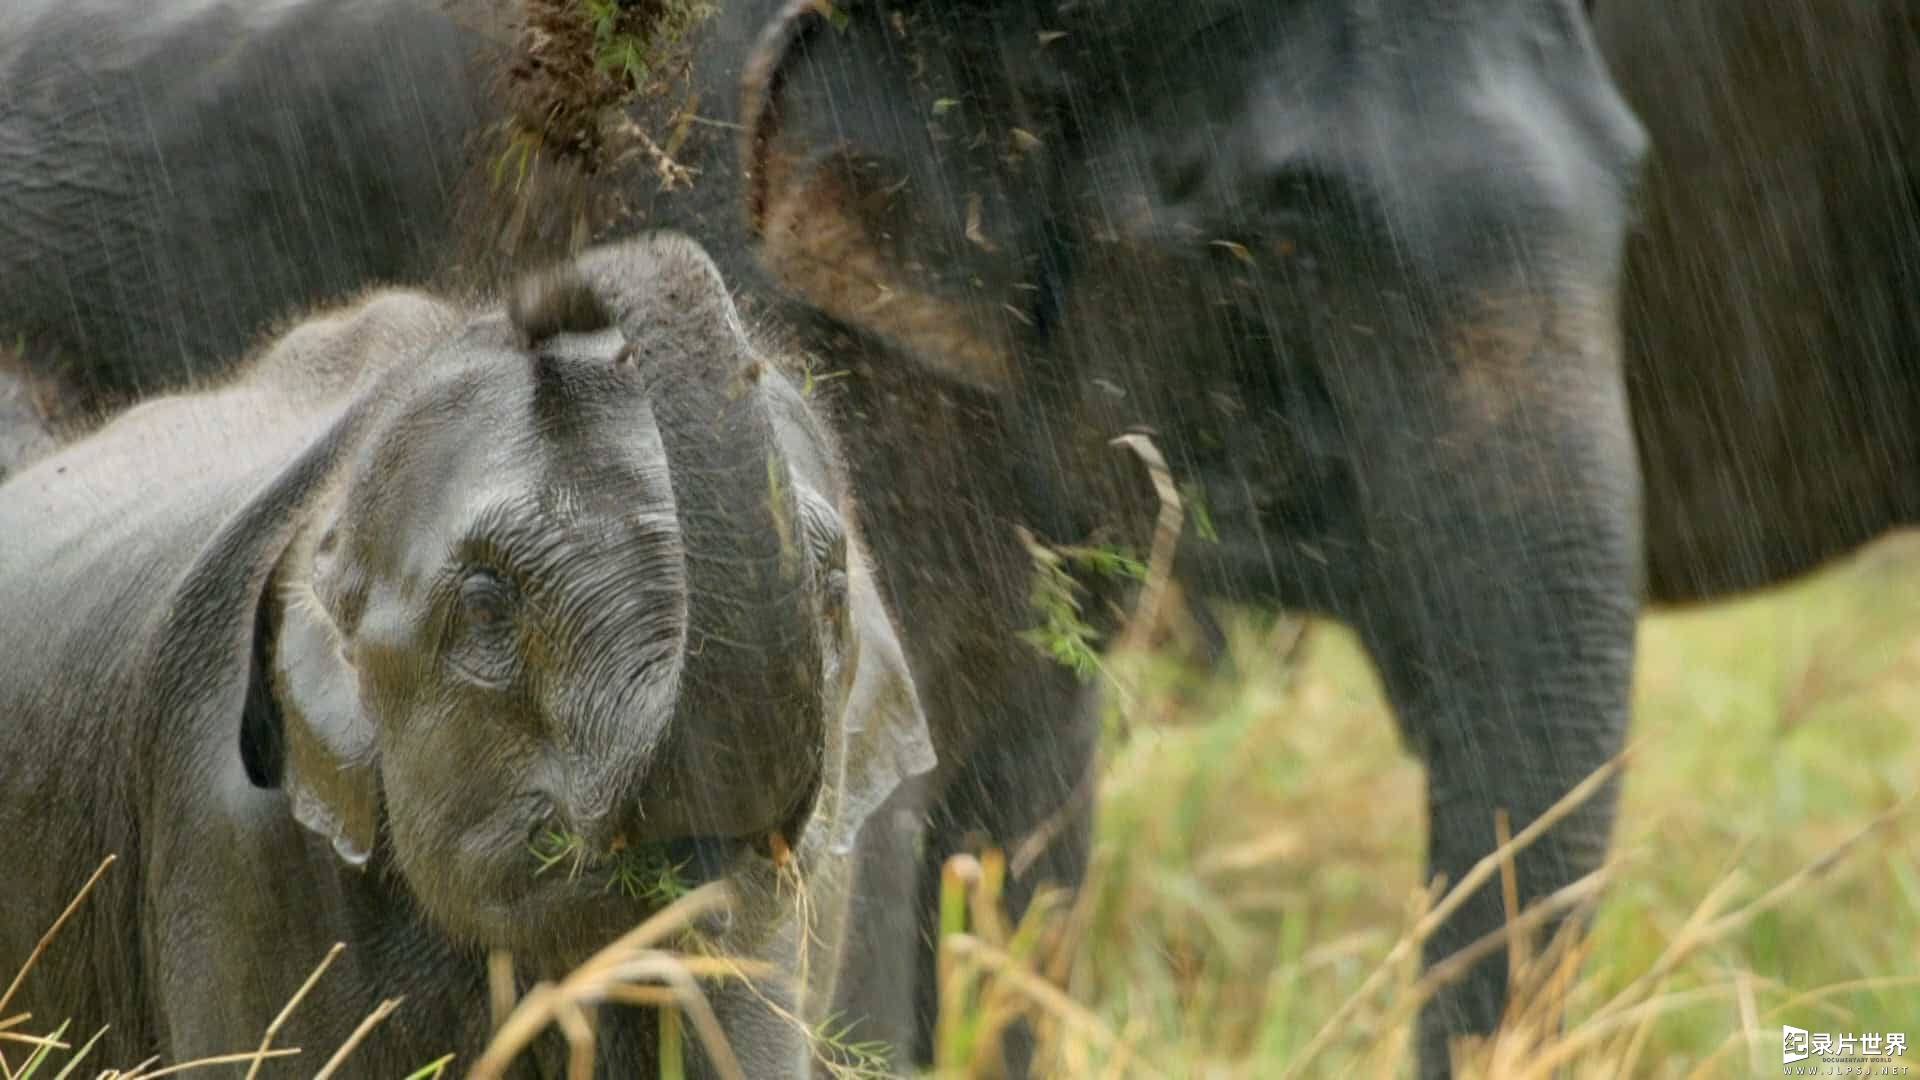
(575, 571)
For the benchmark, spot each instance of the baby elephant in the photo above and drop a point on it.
(438, 632)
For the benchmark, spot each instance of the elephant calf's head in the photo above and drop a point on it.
(574, 598)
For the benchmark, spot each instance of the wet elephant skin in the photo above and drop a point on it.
(322, 652)
(1369, 273)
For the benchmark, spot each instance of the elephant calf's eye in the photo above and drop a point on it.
(486, 602)
(827, 545)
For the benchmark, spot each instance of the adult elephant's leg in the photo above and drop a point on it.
(1027, 789)
(1500, 499)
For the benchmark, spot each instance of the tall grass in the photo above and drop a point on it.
(1259, 848)
(1255, 904)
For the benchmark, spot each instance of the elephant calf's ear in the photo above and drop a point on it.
(305, 729)
(886, 731)
(263, 750)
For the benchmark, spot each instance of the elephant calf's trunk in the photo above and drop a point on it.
(743, 754)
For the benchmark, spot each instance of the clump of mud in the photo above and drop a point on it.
(566, 99)
(575, 60)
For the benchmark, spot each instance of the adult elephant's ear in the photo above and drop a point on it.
(854, 196)
(886, 731)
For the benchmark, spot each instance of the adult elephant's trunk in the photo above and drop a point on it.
(742, 753)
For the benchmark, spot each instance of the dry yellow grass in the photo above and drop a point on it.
(1255, 904)
(1257, 865)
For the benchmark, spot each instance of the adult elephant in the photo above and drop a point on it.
(181, 175)
(339, 649)
(1357, 265)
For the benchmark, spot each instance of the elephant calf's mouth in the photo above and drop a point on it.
(654, 872)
